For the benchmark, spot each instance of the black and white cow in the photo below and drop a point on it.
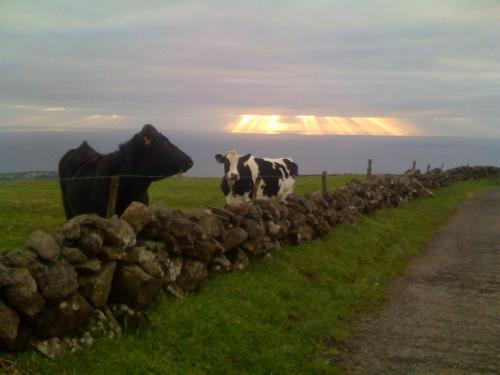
(277, 177)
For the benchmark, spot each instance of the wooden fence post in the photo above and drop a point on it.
(255, 188)
(369, 169)
(442, 166)
(428, 168)
(414, 166)
(323, 182)
(114, 183)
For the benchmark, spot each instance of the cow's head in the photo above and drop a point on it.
(232, 164)
(154, 154)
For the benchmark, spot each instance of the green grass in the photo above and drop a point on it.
(26, 206)
(282, 315)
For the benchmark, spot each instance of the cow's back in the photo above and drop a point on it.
(76, 171)
(277, 177)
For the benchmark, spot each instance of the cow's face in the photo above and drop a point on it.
(156, 155)
(232, 165)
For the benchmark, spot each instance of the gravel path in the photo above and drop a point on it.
(443, 316)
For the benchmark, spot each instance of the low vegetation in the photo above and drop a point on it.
(287, 314)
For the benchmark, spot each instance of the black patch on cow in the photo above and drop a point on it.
(148, 153)
(270, 175)
(292, 167)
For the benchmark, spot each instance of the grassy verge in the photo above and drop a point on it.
(26, 206)
(284, 315)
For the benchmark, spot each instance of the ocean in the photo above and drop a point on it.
(36, 150)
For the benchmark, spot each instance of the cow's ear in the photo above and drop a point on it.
(147, 141)
(219, 158)
(148, 129)
(245, 158)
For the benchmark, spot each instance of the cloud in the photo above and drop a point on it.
(212, 61)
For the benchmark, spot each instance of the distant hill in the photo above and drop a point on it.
(31, 175)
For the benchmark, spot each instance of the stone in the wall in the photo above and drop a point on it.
(138, 215)
(44, 245)
(234, 237)
(73, 255)
(254, 227)
(9, 324)
(239, 259)
(146, 259)
(220, 263)
(56, 281)
(162, 213)
(181, 225)
(192, 275)
(90, 241)
(172, 267)
(64, 317)
(22, 293)
(68, 233)
(90, 267)
(170, 242)
(96, 288)
(212, 226)
(134, 287)
(5, 277)
(203, 250)
(20, 258)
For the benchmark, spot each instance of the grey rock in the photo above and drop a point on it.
(9, 324)
(63, 318)
(91, 266)
(234, 237)
(90, 241)
(173, 268)
(162, 213)
(138, 215)
(212, 226)
(192, 275)
(73, 255)
(116, 232)
(220, 263)
(5, 277)
(22, 294)
(56, 281)
(134, 287)
(239, 260)
(96, 288)
(20, 258)
(202, 250)
(146, 259)
(68, 233)
(44, 245)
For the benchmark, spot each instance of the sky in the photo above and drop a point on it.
(198, 66)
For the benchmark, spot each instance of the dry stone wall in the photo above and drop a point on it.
(94, 277)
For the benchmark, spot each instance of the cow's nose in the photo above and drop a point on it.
(189, 163)
(233, 176)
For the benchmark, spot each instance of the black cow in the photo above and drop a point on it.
(82, 170)
(277, 177)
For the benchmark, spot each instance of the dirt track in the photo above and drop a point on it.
(443, 316)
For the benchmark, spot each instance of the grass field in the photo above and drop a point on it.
(284, 315)
(27, 205)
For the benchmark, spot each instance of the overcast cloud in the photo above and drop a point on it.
(197, 65)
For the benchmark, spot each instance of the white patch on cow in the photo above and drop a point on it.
(233, 157)
(286, 184)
